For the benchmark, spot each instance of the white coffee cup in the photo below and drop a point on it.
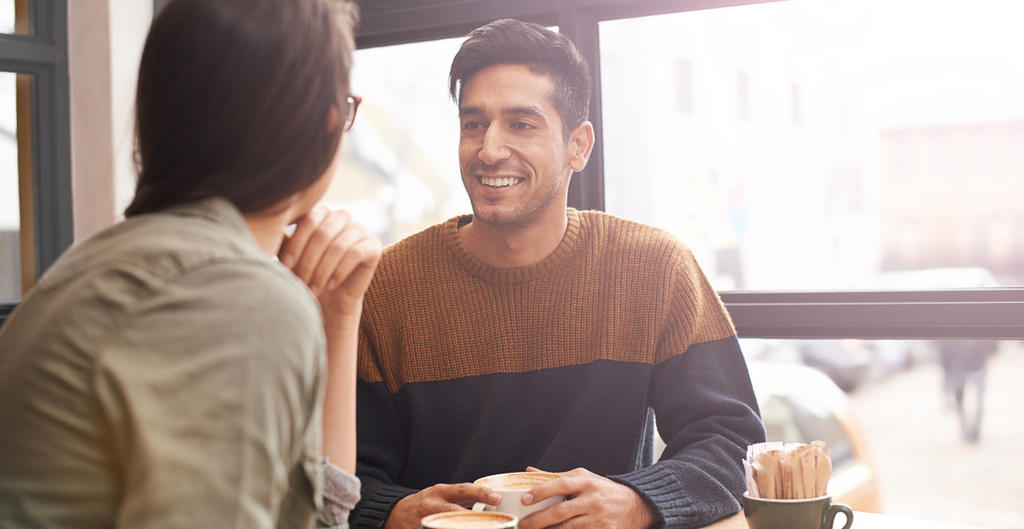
(511, 487)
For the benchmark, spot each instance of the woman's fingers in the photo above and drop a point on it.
(319, 242)
(336, 261)
(356, 268)
(295, 244)
(331, 253)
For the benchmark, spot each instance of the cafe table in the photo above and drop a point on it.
(861, 520)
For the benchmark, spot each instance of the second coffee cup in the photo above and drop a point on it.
(810, 513)
(511, 487)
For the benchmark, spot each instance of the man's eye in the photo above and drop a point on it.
(472, 125)
(522, 126)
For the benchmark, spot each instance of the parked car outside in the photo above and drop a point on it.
(847, 362)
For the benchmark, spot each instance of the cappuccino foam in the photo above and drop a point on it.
(468, 520)
(517, 486)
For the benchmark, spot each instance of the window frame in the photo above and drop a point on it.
(994, 313)
(43, 54)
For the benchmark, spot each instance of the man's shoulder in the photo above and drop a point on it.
(616, 234)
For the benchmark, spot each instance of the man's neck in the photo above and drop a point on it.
(501, 246)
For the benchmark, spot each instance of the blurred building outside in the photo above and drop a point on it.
(950, 198)
(808, 145)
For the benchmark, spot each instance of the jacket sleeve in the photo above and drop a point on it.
(704, 407)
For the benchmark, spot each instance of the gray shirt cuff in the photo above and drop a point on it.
(341, 492)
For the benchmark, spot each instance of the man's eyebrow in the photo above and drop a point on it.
(466, 111)
(531, 110)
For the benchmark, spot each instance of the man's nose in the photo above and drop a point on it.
(495, 147)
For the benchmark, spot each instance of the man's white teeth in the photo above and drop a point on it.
(499, 182)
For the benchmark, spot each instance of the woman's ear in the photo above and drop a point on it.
(581, 144)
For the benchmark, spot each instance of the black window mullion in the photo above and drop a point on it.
(586, 189)
(383, 26)
(51, 166)
(618, 9)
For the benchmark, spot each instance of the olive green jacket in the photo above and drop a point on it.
(163, 373)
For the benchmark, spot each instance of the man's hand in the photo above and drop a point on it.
(335, 257)
(594, 502)
(440, 498)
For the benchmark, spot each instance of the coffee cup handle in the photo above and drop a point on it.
(839, 508)
(481, 507)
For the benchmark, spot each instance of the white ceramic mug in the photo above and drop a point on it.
(511, 487)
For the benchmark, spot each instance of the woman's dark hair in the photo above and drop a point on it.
(544, 52)
(234, 97)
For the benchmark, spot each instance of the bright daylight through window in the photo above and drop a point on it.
(6, 16)
(10, 256)
(400, 172)
(824, 145)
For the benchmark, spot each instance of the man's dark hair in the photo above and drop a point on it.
(234, 97)
(544, 52)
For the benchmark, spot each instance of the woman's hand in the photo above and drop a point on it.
(335, 257)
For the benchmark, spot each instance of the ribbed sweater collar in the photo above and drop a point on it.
(505, 276)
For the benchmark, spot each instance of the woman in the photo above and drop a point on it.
(168, 371)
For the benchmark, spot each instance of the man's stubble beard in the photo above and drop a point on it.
(524, 214)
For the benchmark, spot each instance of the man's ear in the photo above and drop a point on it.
(581, 144)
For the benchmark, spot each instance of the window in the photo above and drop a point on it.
(742, 96)
(794, 99)
(814, 214)
(10, 198)
(7, 16)
(400, 173)
(12, 20)
(35, 165)
(818, 233)
(684, 77)
(920, 183)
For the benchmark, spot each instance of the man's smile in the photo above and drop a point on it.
(500, 181)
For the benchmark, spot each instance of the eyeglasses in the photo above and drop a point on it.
(350, 116)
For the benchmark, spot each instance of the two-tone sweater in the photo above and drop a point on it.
(466, 370)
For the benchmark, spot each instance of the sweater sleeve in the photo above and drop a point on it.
(381, 444)
(707, 415)
(705, 410)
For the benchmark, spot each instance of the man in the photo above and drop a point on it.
(531, 335)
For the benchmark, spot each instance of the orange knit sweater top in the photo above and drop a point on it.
(467, 370)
